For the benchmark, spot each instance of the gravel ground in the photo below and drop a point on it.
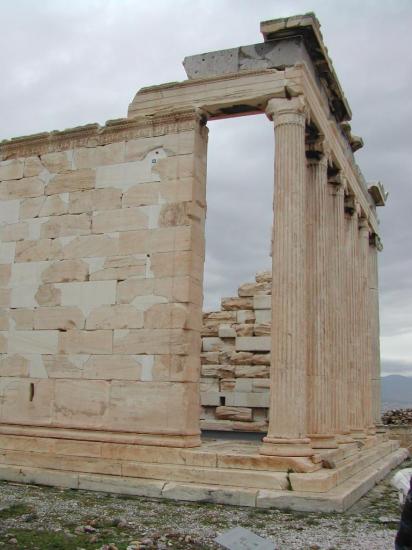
(51, 518)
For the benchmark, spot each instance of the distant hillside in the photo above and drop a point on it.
(396, 391)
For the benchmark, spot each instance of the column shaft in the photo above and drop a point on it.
(337, 322)
(374, 330)
(319, 281)
(287, 415)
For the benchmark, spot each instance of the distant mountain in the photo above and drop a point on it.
(396, 391)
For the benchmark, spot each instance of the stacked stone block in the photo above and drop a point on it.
(235, 359)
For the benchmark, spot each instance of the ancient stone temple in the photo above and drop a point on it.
(101, 269)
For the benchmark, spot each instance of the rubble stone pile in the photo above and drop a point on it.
(397, 416)
(235, 360)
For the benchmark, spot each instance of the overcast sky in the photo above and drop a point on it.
(67, 63)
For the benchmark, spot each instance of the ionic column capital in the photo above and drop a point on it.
(287, 111)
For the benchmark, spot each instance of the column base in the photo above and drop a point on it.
(323, 441)
(344, 438)
(381, 428)
(284, 446)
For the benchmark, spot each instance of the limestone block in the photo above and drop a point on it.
(91, 246)
(263, 316)
(5, 297)
(120, 268)
(82, 341)
(227, 385)
(201, 493)
(264, 277)
(175, 144)
(237, 303)
(7, 252)
(261, 359)
(171, 316)
(57, 162)
(262, 302)
(156, 341)
(257, 343)
(4, 338)
(23, 296)
(182, 190)
(178, 166)
(208, 384)
(48, 295)
(21, 189)
(5, 272)
(87, 295)
(33, 341)
(209, 358)
(241, 358)
(91, 157)
(170, 264)
(210, 399)
(65, 271)
(252, 371)
(4, 319)
(14, 365)
(62, 318)
(247, 399)
(94, 200)
(81, 403)
(244, 329)
(71, 181)
(14, 232)
(11, 169)
(9, 211)
(66, 225)
(246, 316)
(32, 167)
(226, 331)
(64, 366)
(234, 413)
(216, 344)
(126, 219)
(254, 289)
(121, 485)
(53, 205)
(217, 317)
(244, 385)
(173, 214)
(119, 367)
(156, 240)
(262, 385)
(125, 175)
(263, 329)
(26, 274)
(220, 371)
(21, 319)
(114, 317)
(17, 408)
(38, 250)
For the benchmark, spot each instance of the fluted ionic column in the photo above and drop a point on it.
(319, 279)
(351, 304)
(375, 367)
(365, 327)
(288, 393)
(337, 325)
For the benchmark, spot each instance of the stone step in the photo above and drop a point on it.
(325, 480)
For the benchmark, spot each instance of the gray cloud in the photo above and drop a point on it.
(70, 63)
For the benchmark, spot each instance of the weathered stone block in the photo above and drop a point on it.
(71, 181)
(18, 189)
(33, 341)
(252, 371)
(92, 157)
(126, 219)
(56, 162)
(258, 343)
(234, 413)
(216, 344)
(263, 329)
(11, 169)
(48, 295)
(118, 316)
(21, 319)
(88, 294)
(120, 268)
(32, 167)
(226, 331)
(254, 289)
(14, 232)
(38, 250)
(61, 318)
(262, 302)
(65, 271)
(94, 200)
(156, 341)
(9, 211)
(237, 303)
(66, 225)
(82, 341)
